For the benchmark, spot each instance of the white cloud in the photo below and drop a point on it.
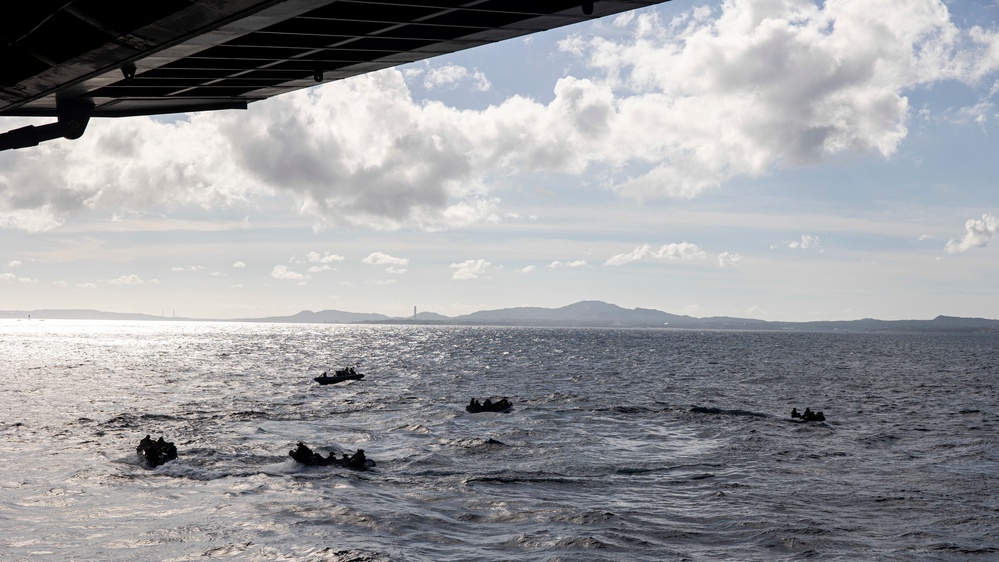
(282, 272)
(465, 213)
(238, 265)
(668, 252)
(728, 259)
(472, 269)
(574, 44)
(326, 257)
(977, 233)
(126, 280)
(761, 84)
(807, 241)
(527, 269)
(395, 270)
(86, 285)
(980, 113)
(217, 274)
(8, 277)
(380, 258)
(320, 268)
(14, 263)
(570, 264)
(451, 76)
(678, 107)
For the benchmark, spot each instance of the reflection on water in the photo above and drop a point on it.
(637, 444)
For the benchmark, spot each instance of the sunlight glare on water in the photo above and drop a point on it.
(622, 444)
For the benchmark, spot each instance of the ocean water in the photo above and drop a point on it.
(622, 444)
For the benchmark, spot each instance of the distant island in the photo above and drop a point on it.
(596, 314)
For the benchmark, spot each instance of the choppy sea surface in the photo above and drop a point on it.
(621, 445)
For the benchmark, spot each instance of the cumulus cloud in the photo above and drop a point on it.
(527, 269)
(8, 277)
(14, 263)
(322, 261)
(452, 76)
(126, 280)
(472, 269)
(671, 108)
(728, 259)
(238, 265)
(977, 233)
(394, 263)
(807, 241)
(668, 252)
(326, 257)
(282, 272)
(380, 258)
(114, 169)
(761, 84)
(464, 213)
(570, 264)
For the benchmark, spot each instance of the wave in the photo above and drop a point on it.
(526, 479)
(723, 411)
(665, 469)
(473, 442)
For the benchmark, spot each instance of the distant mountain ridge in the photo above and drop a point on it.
(598, 312)
(322, 317)
(80, 314)
(580, 314)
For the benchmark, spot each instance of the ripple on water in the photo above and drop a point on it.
(623, 444)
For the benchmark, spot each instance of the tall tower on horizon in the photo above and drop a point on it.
(414, 312)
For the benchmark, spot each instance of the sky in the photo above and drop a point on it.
(786, 160)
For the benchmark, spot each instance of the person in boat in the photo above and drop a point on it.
(487, 403)
(808, 415)
(358, 461)
(816, 416)
(351, 370)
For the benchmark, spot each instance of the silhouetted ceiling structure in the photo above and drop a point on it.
(78, 59)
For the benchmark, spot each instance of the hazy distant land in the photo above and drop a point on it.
(580, 314)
